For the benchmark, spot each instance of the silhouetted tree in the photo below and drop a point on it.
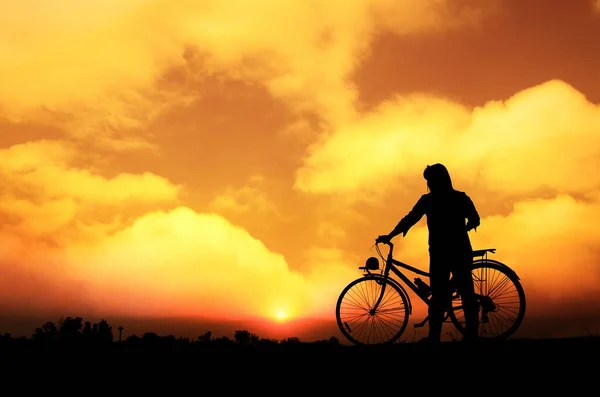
(264, 342)
(205, 337)
(98, 333)
(48, 332)
(103, 332)
(223, 341)
(87, 330)
(246, 338)
(133, 340)
(70, 329)
(150, 337)
(334, 341)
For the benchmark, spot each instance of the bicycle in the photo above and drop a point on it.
(387, 300)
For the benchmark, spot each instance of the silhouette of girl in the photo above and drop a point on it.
(450, 248)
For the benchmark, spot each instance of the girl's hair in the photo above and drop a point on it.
(438, 178)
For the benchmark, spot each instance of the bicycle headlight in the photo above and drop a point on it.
(372, 263)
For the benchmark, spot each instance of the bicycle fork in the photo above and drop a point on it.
(376, 305)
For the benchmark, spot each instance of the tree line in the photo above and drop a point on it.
(73, 333)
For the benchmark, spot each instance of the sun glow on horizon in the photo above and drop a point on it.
(281, 314)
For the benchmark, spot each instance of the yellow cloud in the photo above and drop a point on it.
(44, 190)
(96, 66)
(369, 152)
(539, 139)
(184, 263)
(65, 232)
(78, 235)
(40, 218)
(38, 166)
(31, 155)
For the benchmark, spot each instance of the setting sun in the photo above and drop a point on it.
(281, 314)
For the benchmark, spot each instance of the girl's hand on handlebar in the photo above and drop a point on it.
(383, 239)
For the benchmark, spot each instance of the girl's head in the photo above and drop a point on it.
(438, 178)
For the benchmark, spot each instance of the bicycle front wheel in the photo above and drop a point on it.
(363, 325)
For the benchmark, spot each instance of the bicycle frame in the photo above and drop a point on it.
(394, 266)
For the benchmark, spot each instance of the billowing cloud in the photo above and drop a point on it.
(71, 235)
(102, 60)
(49, 202)
(371, 151)
(191, 264)
(45, 192)
(36, 166)
(537, 140)
(188, 264)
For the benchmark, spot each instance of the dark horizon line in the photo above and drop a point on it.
(24, 324)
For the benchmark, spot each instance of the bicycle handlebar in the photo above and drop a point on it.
(389, 244)
(377, 241)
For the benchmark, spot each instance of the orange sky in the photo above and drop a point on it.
(235, 159)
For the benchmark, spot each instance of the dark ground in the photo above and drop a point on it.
(74, 356)
(167, 365)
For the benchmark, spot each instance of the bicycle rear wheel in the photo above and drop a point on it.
(363, 326)
(501, 301)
